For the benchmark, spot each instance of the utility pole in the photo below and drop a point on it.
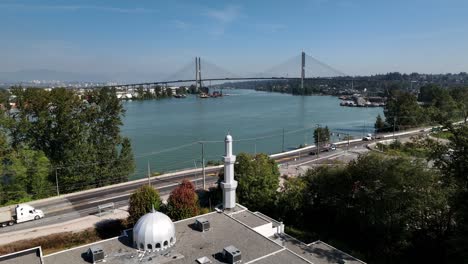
(149, 174)
(347, 147)
(56, 181)
(318, 141)
(203, 164)
(283, 140)
(394, 124)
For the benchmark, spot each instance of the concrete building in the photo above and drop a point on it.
(231, 234)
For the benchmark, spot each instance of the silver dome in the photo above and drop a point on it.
(154, 231)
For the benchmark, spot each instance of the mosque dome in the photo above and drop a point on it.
(154, 231)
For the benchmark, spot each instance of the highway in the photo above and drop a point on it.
(71, 206)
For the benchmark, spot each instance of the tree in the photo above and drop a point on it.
(142, 201)
(379, 124)
(428, 93)
(158, 91)
(460, 95)
(451, 160)
(291, 200)
(183, 201)
(192, 89)
(403, 110)
(321, 136)
(169, 91)
(126, 161)
(396, 206)
(258, 180)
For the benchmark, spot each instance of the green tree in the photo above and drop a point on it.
(396, 206)
(321, 136)
(80, 137)
(126, 160)
(460, 95)
(168, 91)
(183, 201)
(158, 92)
(291, 200)
(403, 111)
(142, 201)
(379, 124)
(258, 179)
(451, 160)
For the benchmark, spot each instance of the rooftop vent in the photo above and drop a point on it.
(202, 224)
(204, 260)
(95, 254)
(232, 255)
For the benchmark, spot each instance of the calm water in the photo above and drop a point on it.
(165, 133)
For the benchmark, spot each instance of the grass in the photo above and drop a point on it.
(61, 241)
(415, 148)
(442, 134)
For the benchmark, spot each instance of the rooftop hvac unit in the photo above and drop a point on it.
(202, 224)
(96, 254)
(232, 255)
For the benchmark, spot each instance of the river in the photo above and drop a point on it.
(165, 132)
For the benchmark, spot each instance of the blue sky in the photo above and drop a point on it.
(159, 37)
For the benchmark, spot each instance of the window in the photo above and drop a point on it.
(149, 246)
(166, 243)
(158, 245)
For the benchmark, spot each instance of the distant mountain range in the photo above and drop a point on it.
(50, 75)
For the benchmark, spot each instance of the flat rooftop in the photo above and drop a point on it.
(30, 256)
(318, 252)
(233, 228)
(250, 219)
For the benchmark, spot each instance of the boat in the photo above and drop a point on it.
(180, 95)
(203, 95)
(217, 94)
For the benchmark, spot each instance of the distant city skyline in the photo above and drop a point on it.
(143, 39)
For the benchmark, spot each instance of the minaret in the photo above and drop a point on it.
(229, 185)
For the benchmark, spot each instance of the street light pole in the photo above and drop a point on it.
(283, 140)
(56, 181)
(203, 165)
(149, 174)
(318, 141)
(347, 147)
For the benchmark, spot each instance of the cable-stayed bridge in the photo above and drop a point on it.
(301, 67)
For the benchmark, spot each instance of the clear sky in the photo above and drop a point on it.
(159, 37)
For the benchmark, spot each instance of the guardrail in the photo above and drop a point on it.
(105, 208)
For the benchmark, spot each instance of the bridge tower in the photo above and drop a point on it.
(199, 73)
(198, 79)
(302, 70)
(196, 73)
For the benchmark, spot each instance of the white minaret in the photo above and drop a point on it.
(229, 185)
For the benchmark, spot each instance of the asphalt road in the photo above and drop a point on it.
(72, 206)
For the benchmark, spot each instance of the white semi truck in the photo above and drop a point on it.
(18, 214)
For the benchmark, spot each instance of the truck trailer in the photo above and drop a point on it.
(17, 214)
